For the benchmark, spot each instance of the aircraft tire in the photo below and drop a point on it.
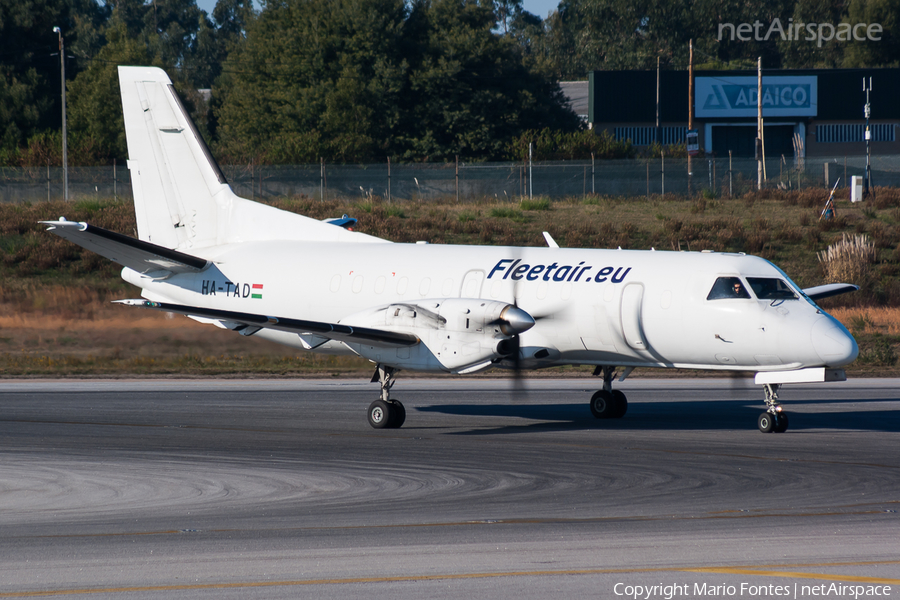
(781, 423)
(603, 405)
(380, 414)
(620, 404)
(766, 422)
(398, 415)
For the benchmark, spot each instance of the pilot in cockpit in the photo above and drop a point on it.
(728, 287)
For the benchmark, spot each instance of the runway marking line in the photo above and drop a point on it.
(795, 574)
(735, 570)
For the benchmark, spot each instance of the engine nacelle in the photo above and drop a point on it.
(459, 335)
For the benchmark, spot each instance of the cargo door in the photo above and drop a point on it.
(630, 313)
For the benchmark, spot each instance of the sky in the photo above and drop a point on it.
(537, 7)
(540, 7)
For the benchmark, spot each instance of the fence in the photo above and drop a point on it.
(474, 181)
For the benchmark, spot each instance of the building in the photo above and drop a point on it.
(576, 93)
(809, 112)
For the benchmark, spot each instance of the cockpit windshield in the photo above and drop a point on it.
(767, 288)
(727, 287)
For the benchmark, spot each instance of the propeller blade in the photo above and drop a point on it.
(519, 391)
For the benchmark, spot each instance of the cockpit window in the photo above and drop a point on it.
(727, 287)
(767, 288)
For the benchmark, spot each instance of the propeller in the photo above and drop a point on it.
(513, 321)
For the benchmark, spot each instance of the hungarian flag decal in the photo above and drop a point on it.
(257, 291)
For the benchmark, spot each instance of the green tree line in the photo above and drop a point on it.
(361, 80)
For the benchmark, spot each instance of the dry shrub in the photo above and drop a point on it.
(722, 234)
(811, 197)
(838, 222)
(757, 240)
(584, 234)
(883, 236)
(789, 233)
(608, 229)
(848, 261)
(886, 198)
(884, 320)
(673, 226)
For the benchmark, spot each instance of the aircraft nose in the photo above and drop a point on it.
(833, 343)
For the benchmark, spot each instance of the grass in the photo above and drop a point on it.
(535, 204)
(117, 340)
(55, 315)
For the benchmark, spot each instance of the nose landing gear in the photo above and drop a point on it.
(774, 419)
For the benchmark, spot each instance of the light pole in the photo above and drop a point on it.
(65, 158)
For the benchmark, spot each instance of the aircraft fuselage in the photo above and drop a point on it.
(624, 307)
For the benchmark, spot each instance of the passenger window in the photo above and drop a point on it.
(727, 287)
(767, 288)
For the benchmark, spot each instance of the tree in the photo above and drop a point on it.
(314, 78)
(884, 52)
(30, 95)
(588, 35)
(471, 91)
(354, 80)
(172, 34)
(95, 102)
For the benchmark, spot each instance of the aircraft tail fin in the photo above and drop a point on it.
(176, 181)
(181, 198)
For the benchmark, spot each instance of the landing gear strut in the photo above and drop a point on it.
(608, 403)
(774, 419)
(385, 413)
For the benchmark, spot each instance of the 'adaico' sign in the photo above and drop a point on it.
(736, 96)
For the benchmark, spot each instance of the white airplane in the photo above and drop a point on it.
(240, 265)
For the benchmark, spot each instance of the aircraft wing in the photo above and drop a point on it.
(135, 254)
(249, 323)
(828, 290)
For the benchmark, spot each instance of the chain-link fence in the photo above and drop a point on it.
(475, 181)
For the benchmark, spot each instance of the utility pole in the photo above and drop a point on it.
(530, 172)
(690, 114)
(868, 113)
(65, 157)
(759, 125)
(658, 132)
(457, 178)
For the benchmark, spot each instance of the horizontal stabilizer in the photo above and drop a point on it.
(332, 331)
(829, 290)
(137, 255)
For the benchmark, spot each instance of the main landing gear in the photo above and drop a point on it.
(774, 419)
(608, 403)
(385, 413)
